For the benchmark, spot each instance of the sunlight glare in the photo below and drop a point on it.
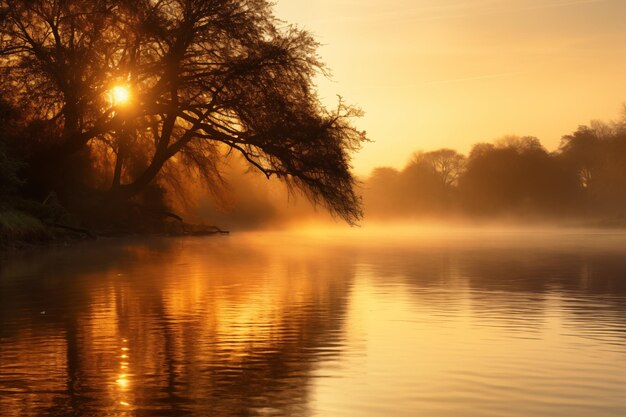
(122, 381)
(119, 95)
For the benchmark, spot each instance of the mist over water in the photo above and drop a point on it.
(375, 322)
(514, 180)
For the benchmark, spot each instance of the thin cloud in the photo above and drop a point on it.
(466, 79)
(467, 9)
(564, 4)
(387, 87)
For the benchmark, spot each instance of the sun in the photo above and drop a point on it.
(119, 95)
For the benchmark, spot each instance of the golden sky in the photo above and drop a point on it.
(450, 73)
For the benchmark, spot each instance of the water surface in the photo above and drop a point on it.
(498, 324)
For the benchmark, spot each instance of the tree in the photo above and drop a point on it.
(448, 164)
(515, 176)
(425, 187)
(596, 156)
(382, 193)
(204, 78)
(9, 166)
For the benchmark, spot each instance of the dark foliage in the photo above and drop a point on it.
(515, 177)
(206, 77)
(9, 163)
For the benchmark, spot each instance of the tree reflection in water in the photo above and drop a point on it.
(198, 327)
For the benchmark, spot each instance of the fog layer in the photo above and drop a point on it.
(512, 180)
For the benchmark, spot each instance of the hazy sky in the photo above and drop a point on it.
(450, 73)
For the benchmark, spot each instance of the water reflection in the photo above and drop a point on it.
(194, 328)
(281, 325)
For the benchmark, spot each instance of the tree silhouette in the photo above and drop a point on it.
(596, 156)
(448, 164)
(205, 78)
(517, 176)
(426, 186)
(9, 165)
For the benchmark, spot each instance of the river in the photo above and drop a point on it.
(278, 324)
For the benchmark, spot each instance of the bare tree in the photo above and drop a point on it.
(448, 164)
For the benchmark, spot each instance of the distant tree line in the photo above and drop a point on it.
(515, 176)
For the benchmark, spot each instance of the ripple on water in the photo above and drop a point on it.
(286, 327)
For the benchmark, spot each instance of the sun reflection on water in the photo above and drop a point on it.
(123, 380)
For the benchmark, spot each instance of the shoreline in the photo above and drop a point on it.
(21, 231)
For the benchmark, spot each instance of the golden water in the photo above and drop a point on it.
(306, 325)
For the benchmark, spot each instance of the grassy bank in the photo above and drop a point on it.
(18, 229)
(25, 224)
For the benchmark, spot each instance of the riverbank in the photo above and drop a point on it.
(20, 230)
(23, 229)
